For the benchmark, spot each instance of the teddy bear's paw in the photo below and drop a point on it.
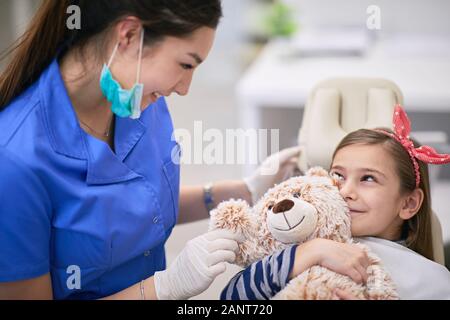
(235, 215)
(380, 285)
(232, 215)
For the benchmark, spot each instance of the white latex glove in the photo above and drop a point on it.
(195, 268)
(275, 169)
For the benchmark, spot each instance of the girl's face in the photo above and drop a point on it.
(371, 187)
(167, 67)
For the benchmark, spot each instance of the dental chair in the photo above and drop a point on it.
(338, 106)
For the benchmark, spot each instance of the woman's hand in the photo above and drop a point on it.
(195, 268)
(346, 259)
(275, 169)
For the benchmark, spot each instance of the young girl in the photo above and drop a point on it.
(383, 177)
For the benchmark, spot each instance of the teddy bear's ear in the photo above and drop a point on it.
(334, 181)
(317, 171)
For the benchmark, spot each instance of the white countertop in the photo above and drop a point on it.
(280, 78)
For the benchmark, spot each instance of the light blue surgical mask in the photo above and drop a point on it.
(124, 103)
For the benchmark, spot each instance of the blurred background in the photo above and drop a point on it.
(248, 80)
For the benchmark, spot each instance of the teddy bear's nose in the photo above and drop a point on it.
(282, 206)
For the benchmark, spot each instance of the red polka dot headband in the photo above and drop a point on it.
(402, 129)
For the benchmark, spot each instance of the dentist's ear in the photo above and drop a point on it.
(411, 204)
(128, 30)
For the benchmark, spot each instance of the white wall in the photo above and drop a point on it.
(418, 16)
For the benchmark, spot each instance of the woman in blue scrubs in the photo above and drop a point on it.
(89, 189)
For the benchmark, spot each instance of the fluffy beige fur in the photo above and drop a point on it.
(295, 211)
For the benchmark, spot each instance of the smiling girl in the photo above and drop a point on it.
(376, 181)
(383, 177)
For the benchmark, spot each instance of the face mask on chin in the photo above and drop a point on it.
(124, 103)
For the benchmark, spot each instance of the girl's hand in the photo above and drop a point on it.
(344, 295)
(346, 259)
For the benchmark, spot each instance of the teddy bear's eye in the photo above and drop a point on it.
(270, 207)
(297, 195)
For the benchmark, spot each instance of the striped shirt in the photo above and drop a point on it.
(263, 279)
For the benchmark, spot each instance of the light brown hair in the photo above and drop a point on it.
(417, 230)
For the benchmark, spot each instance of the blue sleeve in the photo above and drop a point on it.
(25, 222)
(262, 279)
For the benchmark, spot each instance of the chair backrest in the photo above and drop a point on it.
(338, 106)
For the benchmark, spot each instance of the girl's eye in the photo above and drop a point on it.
(368, 178)
(187, 66)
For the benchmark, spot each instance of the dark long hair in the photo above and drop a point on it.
(48, 33)
(417, 230)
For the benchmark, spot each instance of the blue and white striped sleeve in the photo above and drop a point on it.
(262, 279)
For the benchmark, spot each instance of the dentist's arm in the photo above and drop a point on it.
(275, 169)
(39, 288)
(192, 206)
(199, 263)
(195, 268)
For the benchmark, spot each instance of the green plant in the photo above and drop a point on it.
(280, 21)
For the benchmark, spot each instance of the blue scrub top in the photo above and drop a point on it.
(71, 206)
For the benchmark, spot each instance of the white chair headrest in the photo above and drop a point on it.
(337, 107)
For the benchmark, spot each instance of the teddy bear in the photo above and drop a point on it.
(293, 212)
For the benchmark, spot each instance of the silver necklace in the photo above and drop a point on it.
(104, 134)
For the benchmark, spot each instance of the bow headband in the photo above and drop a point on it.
(402, 129)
